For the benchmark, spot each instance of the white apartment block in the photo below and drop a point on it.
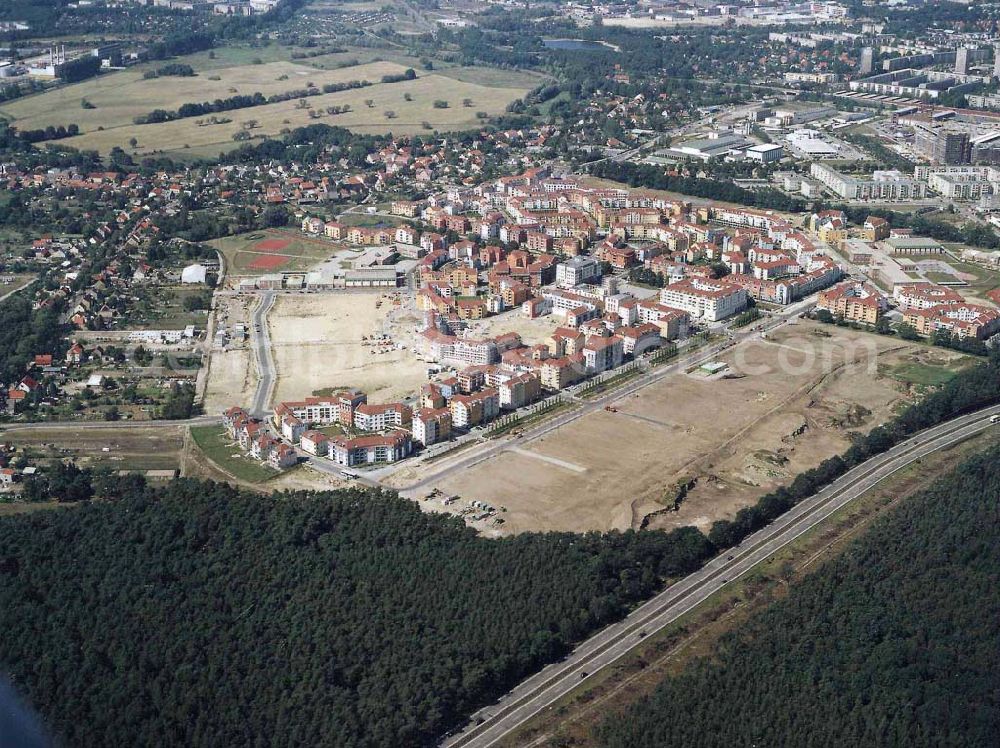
(471, 410)
(460, 351)
(578, 270)
(882, 185)
(924, 296)
(315, 443)
(961, 186)
(601, 354)
(366, 450)
(710, 300)
(323, 410)
(519, 390)
(368, 417)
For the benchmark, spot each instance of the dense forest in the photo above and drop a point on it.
(897, 642)
(196, 615)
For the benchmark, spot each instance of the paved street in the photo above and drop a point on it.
(539, 692)
(107, 425)
(261, 342)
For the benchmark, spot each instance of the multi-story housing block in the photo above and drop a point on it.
(710, 300)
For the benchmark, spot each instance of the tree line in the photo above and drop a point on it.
(243, 101)
(49, 133)
(971, 233)
(895, 642)
(178, 69)
(388, 625)
(654, 177)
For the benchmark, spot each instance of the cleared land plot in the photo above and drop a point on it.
(128, 447)
(19, 282)
(260, 252)
(271, 119)
(216, 445)
(232, 377)
(532, 331)
(790, 402)
(318, 346)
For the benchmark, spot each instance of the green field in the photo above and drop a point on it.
(370, 221)
(922, 374)
(118, 98)
(494, 76)
(981, 279)
(936, 277)
(217, 447)
(19, 282)
(165, 310)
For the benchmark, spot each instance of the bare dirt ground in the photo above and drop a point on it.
(318, 346)
(788, 403)
(532, 331)
(232, 373)
(231, 380)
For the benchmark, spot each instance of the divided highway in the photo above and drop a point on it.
(542, 690)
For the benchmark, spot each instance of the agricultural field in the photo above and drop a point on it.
(786, 404)
(319, 346)
(154, 447)
(117, 99)
(260, 252)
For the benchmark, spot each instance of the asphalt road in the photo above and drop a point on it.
(262, 353)
(107, 425)
(539, 692)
